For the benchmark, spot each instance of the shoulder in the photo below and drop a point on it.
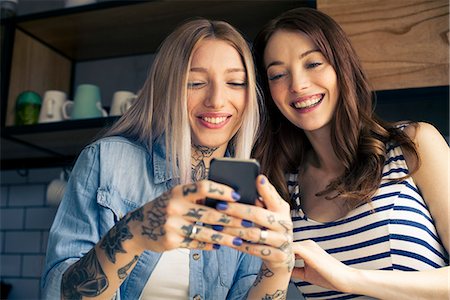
(433, 153)
(422, 133)
(115, 152)
(117, 143)
(428, 141)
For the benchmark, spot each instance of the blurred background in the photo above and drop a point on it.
(58, 45)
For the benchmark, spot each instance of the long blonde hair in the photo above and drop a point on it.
(160, 111)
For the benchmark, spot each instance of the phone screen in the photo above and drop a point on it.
(238, 174)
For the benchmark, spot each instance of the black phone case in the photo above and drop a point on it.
(238, 174)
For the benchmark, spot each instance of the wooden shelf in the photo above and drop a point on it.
(139, 28)
(44, 47)
(51, 142)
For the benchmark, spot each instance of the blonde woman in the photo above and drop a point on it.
(132, 221)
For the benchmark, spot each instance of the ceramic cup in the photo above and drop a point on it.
(28, 106)
(55, 190)
(121, 102)
(86, 103)
(52, 107)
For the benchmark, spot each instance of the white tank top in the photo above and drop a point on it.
(170, 278)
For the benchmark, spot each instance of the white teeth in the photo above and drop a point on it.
(216, 120)
(307, 103)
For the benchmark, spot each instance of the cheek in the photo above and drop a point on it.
(329, 79)
(240, 101)
(277, 91)
(334, 89)
(192, 100)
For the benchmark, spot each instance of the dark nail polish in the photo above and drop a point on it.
(217, 227)
(235, 196)
(216, 246)
(221, 205)
(237, 241)
(247, 223)
(263, 180)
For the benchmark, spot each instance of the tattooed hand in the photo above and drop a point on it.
(173, 221)
(271, 238)
(167, 222)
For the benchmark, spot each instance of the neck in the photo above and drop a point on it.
(324, 157)
(201, 158)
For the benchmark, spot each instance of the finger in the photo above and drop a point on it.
(267, 253)
(306, 248)
(259, 236)
(298, 273)
(208, 235)
(260, 203)
(200, 213)
(195, 244)
(260, 216)
(269, 194)
(206, 189)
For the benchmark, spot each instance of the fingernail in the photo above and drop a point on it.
(247, 223)
(263, 180)
(217, 227)
(221, 205)
(237, 241)
(216, 246)
(235, 195)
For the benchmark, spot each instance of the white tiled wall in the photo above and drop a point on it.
(25, 219)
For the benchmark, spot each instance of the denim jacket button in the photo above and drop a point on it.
(197, 297)
(196, 256)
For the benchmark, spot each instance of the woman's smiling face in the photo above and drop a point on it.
(217, 93)
(302, 83)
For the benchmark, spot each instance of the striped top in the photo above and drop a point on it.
(394, 232)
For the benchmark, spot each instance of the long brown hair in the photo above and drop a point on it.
(160, 111)
(358, 137)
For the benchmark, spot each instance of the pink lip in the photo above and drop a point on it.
(213, 115)
(305, 98)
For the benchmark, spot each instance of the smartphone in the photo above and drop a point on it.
(238, 174)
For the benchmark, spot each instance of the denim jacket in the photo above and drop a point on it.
(110, 178)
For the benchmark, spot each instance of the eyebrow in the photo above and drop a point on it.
(204, 70)
(301, 56)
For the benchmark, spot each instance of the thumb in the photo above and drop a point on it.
(298, 273)
(269, 194)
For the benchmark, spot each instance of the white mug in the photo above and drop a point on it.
(122, 101)
(52, 107)
(55, 190)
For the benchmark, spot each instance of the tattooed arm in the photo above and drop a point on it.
(87, 278)
(165, 223)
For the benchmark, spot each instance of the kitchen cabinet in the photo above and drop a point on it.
(403, 46)
(40, 51)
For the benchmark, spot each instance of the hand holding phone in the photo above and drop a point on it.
(238, 174)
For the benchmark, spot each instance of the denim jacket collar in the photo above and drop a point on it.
(160, 172)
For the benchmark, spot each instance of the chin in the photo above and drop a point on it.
(211, 142)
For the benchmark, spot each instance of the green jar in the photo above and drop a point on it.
(28, 106)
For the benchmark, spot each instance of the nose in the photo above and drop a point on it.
(299, 81)
(216, 96)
